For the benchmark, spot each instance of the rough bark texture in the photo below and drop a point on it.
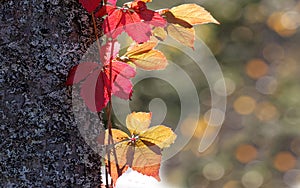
(40, 144)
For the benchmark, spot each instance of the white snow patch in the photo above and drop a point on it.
(134, 179)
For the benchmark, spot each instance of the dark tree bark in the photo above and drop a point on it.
(40, 144)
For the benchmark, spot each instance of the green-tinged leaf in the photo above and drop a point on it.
(160, 33)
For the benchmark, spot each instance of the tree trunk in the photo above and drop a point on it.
(41, 144)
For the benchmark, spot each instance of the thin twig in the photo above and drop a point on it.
(110, 138)
(109, 109)
(99, 48)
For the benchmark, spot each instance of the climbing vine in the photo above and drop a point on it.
(139, 147)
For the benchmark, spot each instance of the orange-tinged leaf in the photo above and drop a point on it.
(193, 14)
(147, 159)
(117, 153)
(140, 48)
(183, 35)
(137, 122)
(142, 157)
(115, 171)
(152, 170)
(141, 150)
(159, 135)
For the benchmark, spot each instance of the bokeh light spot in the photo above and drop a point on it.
(252, 179)
(187, 130)
(290, 20)
(246, 153)
(266, 111)
(244, 105)
(256, 68)
(284, 161)
(273, 52)
(266, 85)
(213, 171)
(229, 85)
(275, 22)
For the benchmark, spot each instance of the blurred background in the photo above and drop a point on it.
(257, 46)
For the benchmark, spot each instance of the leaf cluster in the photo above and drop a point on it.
(140, 147)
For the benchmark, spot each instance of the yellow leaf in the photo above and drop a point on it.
(137, 122)
(146, 154)
(159, 135)
(147, 159)
(117, 134)
(169, 16)
(121, 150)
(160, 33)
(152, 60)
(141, 150)
(193, 14)
(183, 35)
(145, 57)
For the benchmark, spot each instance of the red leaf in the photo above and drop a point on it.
(112, 2)
(153, 18)
(114, 22)
(124, 20)
(109, 51)
(93, 91)
(149, 16)
(80, 72)
(134, 18)
(122, 86)
(104, 10)
(96, 87)
(97, 84)
(124, 69)
(136, 29)
(121, 72)
(90, 5)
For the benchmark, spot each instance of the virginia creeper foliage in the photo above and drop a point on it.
(139, 148)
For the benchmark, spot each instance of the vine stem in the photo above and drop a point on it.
(99, 48)
(110, 138)
(108, 111)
